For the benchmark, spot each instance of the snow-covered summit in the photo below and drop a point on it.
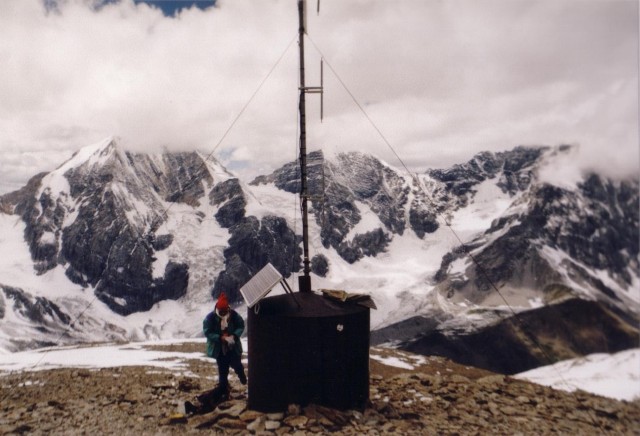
(144, 240)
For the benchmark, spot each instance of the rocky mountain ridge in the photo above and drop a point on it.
(101, 215)
(337, 187)
(138, 232)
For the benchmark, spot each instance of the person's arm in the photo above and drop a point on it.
(238, 324)
(209, 329)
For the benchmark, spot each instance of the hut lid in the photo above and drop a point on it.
(307, 305)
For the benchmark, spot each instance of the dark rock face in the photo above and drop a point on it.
(161, 242)
(103, 248)
(376, 185)
(515, 168)
(39, 310)
(102, 245)
(42, 231)
(252, 245)
(20, 201)
(460, 178)
(356, 177)
(570, 221)
(287, 178)
(320, 265)
(229, 194)
(116, 292)
(609, 247)
(512, 259)
(177, 178)
(338, 215)
(535, 338)
(353, 177)
(593, 227)
(367, 244)
(104, 227)
(42, 217)
(88, 242)
(518, 168)
(421, 219)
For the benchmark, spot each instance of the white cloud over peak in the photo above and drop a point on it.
(441, 80)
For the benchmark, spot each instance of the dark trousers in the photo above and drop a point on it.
(225, 361)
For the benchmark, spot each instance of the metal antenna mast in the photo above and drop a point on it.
(304, 281)
(336, 376)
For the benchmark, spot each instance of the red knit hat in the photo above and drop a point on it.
(222, 302)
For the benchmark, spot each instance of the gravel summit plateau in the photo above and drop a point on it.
(434, 396)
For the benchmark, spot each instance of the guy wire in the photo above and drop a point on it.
(193, 180)
(480, 268)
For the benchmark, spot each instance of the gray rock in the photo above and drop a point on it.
(320, 265)
(272, 425)
(230, 197)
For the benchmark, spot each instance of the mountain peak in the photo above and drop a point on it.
(142, 228)
(94, 153)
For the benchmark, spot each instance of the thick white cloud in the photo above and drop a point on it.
(440, 79)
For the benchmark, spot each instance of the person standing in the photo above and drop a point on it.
(223, 328)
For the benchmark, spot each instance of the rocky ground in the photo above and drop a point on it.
(436, 397)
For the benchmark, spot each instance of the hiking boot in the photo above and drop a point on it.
(224, 393)
(190, 408)
(243, 378)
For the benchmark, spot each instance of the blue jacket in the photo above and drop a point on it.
(213, 331)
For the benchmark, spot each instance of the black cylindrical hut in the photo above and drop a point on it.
(306, 348)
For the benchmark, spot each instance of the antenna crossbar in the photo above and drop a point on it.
(312, 89)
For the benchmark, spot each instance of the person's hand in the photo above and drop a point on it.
(230, 339)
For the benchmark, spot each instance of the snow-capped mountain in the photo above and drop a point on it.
(109, 235)
(118, 245)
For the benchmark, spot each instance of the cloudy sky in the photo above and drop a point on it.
(440, 79)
